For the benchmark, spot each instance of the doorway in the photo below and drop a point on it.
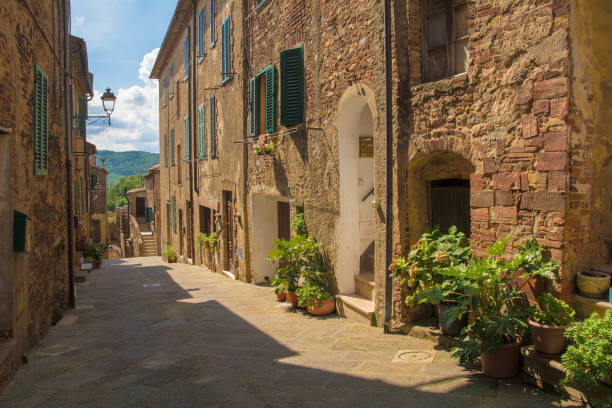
(181, 230)
(357, 223)
(168, 221)
(228, 230)
(140, 207)
(450, 204)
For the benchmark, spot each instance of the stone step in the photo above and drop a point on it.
(365, 286)
(357, 308)
(585, 306)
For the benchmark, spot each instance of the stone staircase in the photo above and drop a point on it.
(148, 247)
(359, 306)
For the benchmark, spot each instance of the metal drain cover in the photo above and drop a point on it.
(413, 356)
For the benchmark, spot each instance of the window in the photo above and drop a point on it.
(201, 35)
(292, 86)
(213, 128)
(187, 151)
(172, 147)
(226, 64)
(170, 70)
(165, 150)
(212, 23)
(82, 116)
(20, 222)
(83, 196)
(94, 181)
(178, 166)
(174, 213)
(445, 32)
(186, 56)
(41, 126)
(205, 219)
(202, 131)
(165, 91)
(261, 100)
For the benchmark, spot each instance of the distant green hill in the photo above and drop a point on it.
(120, 164)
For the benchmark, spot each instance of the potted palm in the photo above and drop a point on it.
(548, 323)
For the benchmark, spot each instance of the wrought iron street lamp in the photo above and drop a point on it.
(108, 103)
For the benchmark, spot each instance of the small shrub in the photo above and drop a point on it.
(309, 294)
(169, 254)
(552, 311)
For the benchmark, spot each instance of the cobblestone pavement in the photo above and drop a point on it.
(150, 334)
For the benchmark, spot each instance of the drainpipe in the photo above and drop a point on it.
(68, 118)
(389, 164)
(196, 183)
(189, 108)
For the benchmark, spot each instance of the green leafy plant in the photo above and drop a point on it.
(93, 251)
(551, 311)
(588, 358)
(201, 239)
(295, 257)
(169, 254)
(279, 285)
(309, 294)
(261, 147)
(420, 272)
(212, 241)
(89, 259)
(298, 224)
(535, 261)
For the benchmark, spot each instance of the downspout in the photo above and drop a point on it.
(389, 165)
(189, 108)
(68, 113)
(196, 183)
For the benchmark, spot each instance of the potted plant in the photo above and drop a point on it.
(261, 147)
(280, 288)
(169, 255)
(93, 251)
(588, 358)
(548, 323)
(316, 299)
(501, 313)
(431, 274)
(593, 284)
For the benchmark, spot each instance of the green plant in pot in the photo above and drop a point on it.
(280, 288)
(431, 273)
(294, 257)
(548, 322)
(588, 358)
(93, 251)
(501, 313)
(169, 255)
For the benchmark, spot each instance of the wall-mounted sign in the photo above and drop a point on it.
(239, 252)
(366, 146)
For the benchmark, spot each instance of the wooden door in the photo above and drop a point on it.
(283, 216)
(181, 232)
(228, 230)
(140, 207)
(450, 204)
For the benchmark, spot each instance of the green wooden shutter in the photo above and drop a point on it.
(212, 23)
(165, 90)
(83, 196)
(201, 34)
(213, 128)
(82, 115)
(269, 72)
(292, 86)
(149, 214)
(94, 180)
(172, 146)
(225, 50)
(165, 150)
(41, 125)
(19, 231)
(174, 213)
(253, 102)
(202, 130)
(186, 56)
(187, 152)
(171, 79)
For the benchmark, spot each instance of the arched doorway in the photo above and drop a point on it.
(357, 226)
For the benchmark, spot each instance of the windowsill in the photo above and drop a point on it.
(441, 81)
(226, 80)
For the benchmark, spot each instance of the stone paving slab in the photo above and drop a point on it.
(150, 334)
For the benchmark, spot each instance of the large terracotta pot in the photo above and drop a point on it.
(292, 298)
(281, 296)
(593, 284)
(502, 363)
(323, 307)
(548, 340)
(454, 329)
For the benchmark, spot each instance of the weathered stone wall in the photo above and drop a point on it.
(38, 278)
(99, 196)
(506, 118)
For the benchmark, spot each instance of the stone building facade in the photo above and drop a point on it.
(201, 118)
(35, 195)
(98, 198)
(153, 196)
(387, 118)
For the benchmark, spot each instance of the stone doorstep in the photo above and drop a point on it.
(429, 330)
(543, 372)
(585, 306)
(354, 307)
(365, 286)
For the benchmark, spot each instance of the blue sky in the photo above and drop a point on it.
(122, 39)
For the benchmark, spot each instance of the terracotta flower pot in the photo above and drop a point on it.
(593, 284)
(281, 296)
(548, 340)
(502, 363)
(454, 329)
(323, 307)
(292, 298)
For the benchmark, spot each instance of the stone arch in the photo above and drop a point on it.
(356, 118)
(430, 175)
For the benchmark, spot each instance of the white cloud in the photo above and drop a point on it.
(135, 120)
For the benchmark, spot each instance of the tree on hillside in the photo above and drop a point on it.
(116, 191)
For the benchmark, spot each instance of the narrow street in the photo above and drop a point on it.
(150, 334)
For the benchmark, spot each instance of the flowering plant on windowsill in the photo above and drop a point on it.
(261, 147)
